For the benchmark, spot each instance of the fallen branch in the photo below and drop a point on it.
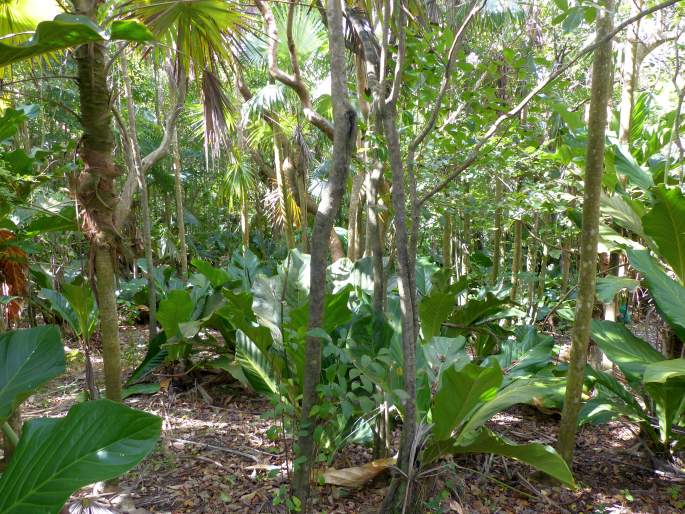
(251, 457)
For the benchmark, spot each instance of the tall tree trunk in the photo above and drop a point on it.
(96, 195)
(344, 137)
(497, 240)
(532, 263)
(594, 166)
(134, 150)
(630, 75)
(180, 219)
(283, 197)
(353, 235)
(516, 258)
(374, 243)
(245, 222)
(447, 241)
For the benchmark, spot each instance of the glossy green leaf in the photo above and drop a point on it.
(81, 300)
(216, 276)
(434, 311)
(668, 294)
(68, 31)
(175, 309)
(665, 224)
(255, 364)
(608, 287)
(540, 456)
(28, 359)
(459, 394)
(631, 354)
(96, 440)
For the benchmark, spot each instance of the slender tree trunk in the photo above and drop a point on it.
(353, 235)
(630, 75)
(95, 191)
(594, 166)
(516, 259)
(245, 222)
(497, 240)
(344, 137)
(447, 241)
(180, 220)
(144, 198)
(373, 236)
(283, 199)
(532, 264)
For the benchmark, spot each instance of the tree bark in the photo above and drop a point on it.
(516, 259)
(497, 240)
(180, 220)
(344, 137)
(96, 195)
(135, 162)
(594, 166)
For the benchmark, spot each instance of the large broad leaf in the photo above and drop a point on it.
(62, 221)
(441, 353)
(631, 354)
(175, 309)
(434, 311)
(67, 31)
(459, 394)
(216, 276)
(155, 356)
(608, 287)
(518, 391)
(622, 213)
(28, 359)
(665, 382)
(540, 456)
(627, 166)
(667, 293)
(479, 311)
(665, 224)
(257, 368)
(61, 306)
(529, 352)
(95, 441)
(81, 299)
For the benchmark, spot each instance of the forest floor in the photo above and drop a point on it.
(215, 456)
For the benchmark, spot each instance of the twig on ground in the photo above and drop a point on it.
(253, 458)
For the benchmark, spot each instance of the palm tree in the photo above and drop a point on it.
(237, 183)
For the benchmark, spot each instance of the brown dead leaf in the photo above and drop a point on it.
(358, 475)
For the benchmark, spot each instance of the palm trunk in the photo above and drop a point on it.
(95, 191)
(144, 198)
(344, 137)
(594, 166)
(180, 220)
(282, 191)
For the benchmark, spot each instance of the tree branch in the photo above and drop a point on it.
(473, 154)
(292, 81)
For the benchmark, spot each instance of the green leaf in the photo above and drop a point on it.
(668, 295)
(608, 287)
(67, 31)
(96, 440)
(665, 224)
(631, 354)
(622, 213)
(140, 389)
(216, 276)
(627, 166)
(519, 391)
(460, 392)
(540, 456)
(175, 309)
(434, 311)
(255, 364)
(130, 30)
(80, 298)
(529, 352)
(28, 359)
(61, 306)
(665, 382)
(154, 358)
